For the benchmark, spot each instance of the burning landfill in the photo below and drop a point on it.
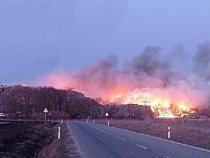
(172, 84)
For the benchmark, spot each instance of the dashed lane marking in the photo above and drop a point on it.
(123, 139)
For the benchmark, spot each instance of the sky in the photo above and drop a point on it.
(38, 37)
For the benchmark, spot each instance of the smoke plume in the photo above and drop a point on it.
(202, 61)
(149, 72)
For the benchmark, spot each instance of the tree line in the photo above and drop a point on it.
(29, 102)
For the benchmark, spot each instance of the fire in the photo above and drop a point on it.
(162, 101)
(183, 108)
(161, 106)
(147, 79)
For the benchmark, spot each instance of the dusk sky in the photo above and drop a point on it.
(39, 37)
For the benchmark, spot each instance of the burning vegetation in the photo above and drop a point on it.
(170, 84)
(161, 108)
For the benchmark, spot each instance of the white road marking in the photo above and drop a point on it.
(168, 141)
(141, 146)
(119, 137)
(123, 139)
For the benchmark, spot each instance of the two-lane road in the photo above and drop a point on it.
(100, 141)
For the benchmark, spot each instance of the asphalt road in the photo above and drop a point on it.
(101, 141)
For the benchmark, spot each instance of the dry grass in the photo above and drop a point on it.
(35, 139)
(3, 123)
(22, 139)
(192, 132)
(59, 148)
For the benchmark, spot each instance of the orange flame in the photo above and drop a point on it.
(161, 106)
(169, 101)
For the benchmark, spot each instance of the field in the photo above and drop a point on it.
(22, 139)
(19, 139)
(195, 132)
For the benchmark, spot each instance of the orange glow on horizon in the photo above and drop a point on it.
(162, 101)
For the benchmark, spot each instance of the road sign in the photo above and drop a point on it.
(106, 114)
(45, 110)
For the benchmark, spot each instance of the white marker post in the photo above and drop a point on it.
(45, 113)
(107, 115)
(59, 132)
(169, 132)
(88, 119)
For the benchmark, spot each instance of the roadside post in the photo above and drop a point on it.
(88, 119)
(45, 114)
(169, 132)
(59, 132)
(107, 115)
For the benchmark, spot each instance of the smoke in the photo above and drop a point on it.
(149, 72)
(202, 60)
(150, 66)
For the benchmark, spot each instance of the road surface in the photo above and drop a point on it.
(101, 141)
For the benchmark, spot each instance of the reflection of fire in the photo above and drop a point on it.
(162, 107)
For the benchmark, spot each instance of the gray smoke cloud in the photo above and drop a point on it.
(150, 64)
(102, 75)
(150, 72)
(202, 60)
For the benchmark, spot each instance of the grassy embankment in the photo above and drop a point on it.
(35, 139)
